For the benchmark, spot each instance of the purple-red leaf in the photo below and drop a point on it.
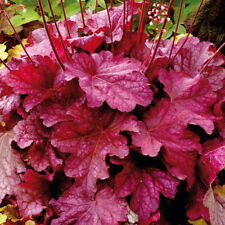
(146, 185)
(38, 83)
(90, 139)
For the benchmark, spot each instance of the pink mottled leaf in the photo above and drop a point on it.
(88, 43)
(111, 79)
(10, 167)
(99, 22)
(211, 162)
(30, 130)
(216, 204)
(38, 40)
(80, 207)
(191, 98)
(162, 127)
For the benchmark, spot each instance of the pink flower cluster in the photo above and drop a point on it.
(157, 13)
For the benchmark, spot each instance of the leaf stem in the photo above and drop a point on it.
(160, 34)
(1, 61)
(175, 32)
(110, 27)
(82, 13)
(60, 36)
(64, 13)
(214, 55)
(189, 31)
(49, 36)
(132, 15)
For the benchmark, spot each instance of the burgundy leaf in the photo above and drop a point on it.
(43, 155)
(181, 164)
(195, 207)
(37, 83)
(146, 185)
(88, 43)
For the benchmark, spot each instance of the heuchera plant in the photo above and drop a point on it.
(100, 125)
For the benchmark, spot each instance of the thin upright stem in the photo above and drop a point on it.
(124, 15)
(82, 13)
(15, 32)
(175, 32)
(96, 5)
(49, 36)
(160, 34)
(189, 31)
(1, 61)
(65, 17)
(110, 27)
(132, 15)
(214, 55)
(60, 36)
(145, 17)
(140, 22)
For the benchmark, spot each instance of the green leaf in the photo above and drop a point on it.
(189, 6)
(24, 17)
(71, 7)
(26, 3)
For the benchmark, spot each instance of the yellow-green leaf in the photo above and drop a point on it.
(16, 50)
(198, 222)
(3, 218)
(3, 53)
(220, 190)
